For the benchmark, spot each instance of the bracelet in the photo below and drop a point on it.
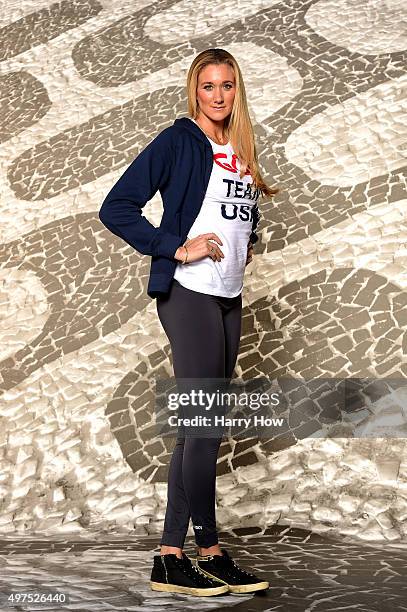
(186, 257)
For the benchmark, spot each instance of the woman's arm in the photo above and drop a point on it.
(256, 218)
(121, 211)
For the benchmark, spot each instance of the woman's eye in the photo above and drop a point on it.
(228, 86)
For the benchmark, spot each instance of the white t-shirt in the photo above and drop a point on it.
(227, 211)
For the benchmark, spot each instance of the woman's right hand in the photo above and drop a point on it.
(200, 247)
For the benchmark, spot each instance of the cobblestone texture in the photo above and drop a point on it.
(305, 571)
(84, 87)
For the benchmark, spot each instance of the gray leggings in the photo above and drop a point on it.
(204, 334)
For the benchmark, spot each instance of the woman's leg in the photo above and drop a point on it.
(177, 513)
(232, 325)
(204, 333)
(232, 321)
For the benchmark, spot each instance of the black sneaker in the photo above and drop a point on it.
(225, 569)
(174, 575)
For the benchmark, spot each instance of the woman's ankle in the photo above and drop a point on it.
(211, 550)
(171, 550)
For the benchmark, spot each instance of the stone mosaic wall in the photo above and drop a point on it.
(85, 85)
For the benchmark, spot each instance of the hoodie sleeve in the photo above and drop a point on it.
(121, 210)
(256, 218)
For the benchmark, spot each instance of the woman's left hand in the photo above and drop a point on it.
(249, 253)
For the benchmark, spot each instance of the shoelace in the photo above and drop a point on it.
(230, 566)
(187, 566)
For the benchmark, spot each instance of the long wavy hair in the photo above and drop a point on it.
(237, 126)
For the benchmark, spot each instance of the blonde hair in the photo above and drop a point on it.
(238, 126)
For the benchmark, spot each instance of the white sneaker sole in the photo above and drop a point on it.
(175, 588)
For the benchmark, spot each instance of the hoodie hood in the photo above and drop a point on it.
(188, 124)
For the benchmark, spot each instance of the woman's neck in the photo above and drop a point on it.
(212, 129)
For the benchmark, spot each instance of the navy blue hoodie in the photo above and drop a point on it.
(178, 163)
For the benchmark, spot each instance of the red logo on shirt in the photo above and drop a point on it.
(228, 166)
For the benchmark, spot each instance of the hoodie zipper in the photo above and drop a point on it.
(208, 159)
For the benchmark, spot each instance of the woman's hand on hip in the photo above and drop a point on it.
(204, 245)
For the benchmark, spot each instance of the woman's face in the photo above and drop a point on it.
(216, 89)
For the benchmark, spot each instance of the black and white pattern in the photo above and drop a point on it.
(86, 85)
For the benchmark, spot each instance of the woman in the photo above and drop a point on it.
(206, 169)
